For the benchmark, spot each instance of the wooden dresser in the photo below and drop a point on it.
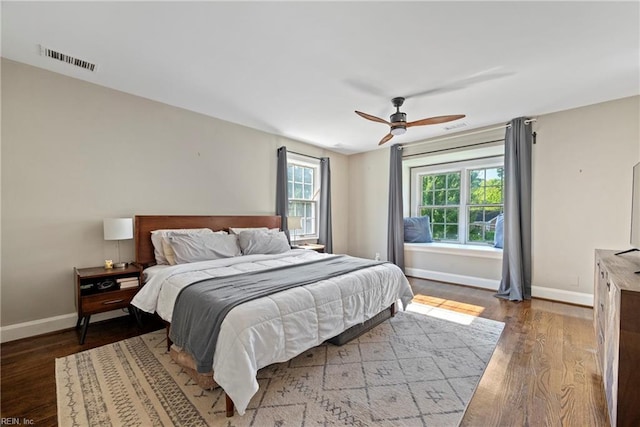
(616, 318)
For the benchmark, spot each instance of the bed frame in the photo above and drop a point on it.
(145, 224)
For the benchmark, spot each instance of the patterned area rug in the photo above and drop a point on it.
(414, 369)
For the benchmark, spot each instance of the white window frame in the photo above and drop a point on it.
(307, 162)
(464, 167)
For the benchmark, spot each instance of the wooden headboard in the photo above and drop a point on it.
(145, 224)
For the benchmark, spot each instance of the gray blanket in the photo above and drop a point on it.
(201, 307)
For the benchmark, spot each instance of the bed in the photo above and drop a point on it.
(269, 329)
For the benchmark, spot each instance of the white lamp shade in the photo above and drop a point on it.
(118, 228)
(294, 222)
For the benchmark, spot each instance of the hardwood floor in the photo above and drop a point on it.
(543, 372)
(28, 366)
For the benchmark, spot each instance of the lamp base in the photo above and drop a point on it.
(120, 265)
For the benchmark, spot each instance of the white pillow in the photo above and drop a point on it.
(236, 230)
(203, 247)
(158, 235)
(168, 250)
(263, 242)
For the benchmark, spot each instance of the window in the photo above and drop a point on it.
(462, 199)
(303, 186)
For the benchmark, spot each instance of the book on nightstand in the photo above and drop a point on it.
(128, 282)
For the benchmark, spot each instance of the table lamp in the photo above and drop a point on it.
(118, 229)
(294, 223)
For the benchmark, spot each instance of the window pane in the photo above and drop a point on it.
(440, 181)
(427, 197)
(440, 198)
(482, 223)
(486, 186)
(451, 232)
(297, 173)
(475, 233)
(477, 196)
(453, 197)
(308, 191)
(427, 182)
(451, 215)
(438, 216)
(297, 191)
(476, 215)
(453, 180)
(477, 178)
(493, 194)
(308, 175)
(438, 231)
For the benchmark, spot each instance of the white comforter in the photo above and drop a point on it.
(279, 327)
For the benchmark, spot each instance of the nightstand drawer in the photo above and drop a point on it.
(107, 301)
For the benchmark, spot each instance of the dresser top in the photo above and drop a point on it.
(622, 268)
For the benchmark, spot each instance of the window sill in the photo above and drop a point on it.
(455, 249)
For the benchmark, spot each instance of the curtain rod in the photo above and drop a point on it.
(508, 125)
(305, 155)
(422, 153)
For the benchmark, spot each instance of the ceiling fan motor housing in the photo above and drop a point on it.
(398, 123)
(398, 117)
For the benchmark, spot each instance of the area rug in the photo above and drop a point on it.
(414, 369)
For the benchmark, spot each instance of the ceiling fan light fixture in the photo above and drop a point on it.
(398, 130)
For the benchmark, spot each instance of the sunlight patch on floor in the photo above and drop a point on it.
(453, 311)
(460, 307)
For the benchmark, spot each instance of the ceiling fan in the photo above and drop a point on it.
(398, 120)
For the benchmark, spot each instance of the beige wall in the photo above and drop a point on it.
(74, 153)
(582, 174)
(582, 165)
(368, 206)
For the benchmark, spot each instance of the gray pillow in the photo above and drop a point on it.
(254, 242)
(203, 247)
(158, 235)
(417, 230)
(498, 238)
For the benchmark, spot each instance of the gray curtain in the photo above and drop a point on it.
(282, 192)
(516, 256)
(324, 233)
(395, 229)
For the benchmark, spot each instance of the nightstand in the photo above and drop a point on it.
(311, 246)
(99, 289)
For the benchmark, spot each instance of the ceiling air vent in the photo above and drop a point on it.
(45, 51)
(455, 126)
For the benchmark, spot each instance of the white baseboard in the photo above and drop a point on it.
(561, 295)
(50, 324)
(459, 279)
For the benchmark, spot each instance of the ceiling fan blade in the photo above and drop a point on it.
(435, 120)
(386, 138)
(372, 118)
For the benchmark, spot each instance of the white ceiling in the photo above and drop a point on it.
(300, 69)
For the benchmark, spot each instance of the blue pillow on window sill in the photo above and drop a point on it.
(417, 230)
(498, 238)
